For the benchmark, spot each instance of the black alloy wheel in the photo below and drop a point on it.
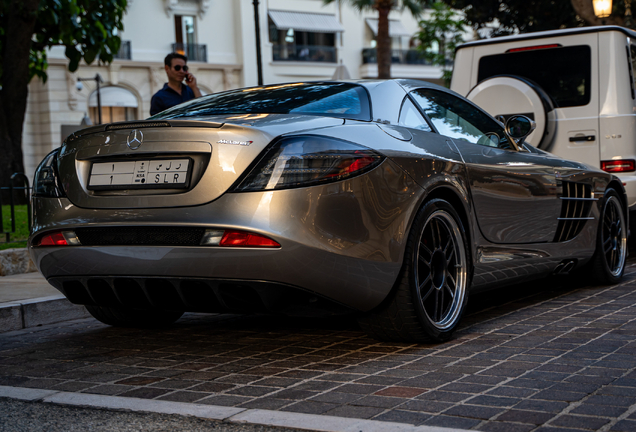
(431, 292)
(608, 263)
(440, 275)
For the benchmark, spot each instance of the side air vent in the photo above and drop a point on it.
(117, 126)
(575, 210)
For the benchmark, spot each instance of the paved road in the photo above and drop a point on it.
(552, 355)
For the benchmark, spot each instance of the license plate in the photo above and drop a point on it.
(141, 174)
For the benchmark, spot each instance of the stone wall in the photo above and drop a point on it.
(15, 261)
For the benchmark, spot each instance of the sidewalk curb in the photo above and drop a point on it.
(21, 314)
(309, 422)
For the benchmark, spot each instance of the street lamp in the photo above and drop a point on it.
(257, 29)
(602, 8)
(98, 79)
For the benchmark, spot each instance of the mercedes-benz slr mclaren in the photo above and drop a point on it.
(392, 200)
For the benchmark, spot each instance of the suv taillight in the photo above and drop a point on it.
(620, 165)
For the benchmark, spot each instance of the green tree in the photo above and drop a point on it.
(526, 16)
(522, 16)
(88, 30)
(439, 36)
(384, 7)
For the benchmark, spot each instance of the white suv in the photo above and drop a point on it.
(577, 84)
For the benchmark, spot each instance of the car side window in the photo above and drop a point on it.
(411, 117)
(455, 118)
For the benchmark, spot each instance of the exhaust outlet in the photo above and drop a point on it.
(565, 267)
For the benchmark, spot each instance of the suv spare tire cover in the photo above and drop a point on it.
(509, 95)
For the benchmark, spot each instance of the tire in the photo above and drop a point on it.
(507, 95)
(121, 317)
(436, 264)
(608, 262)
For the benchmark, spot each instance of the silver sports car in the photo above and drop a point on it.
(393, 200)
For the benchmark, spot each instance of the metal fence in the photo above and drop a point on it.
(309, 53)
(409, 57)
(194, 52)
(12, 190)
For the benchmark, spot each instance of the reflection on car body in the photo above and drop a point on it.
(388, 199)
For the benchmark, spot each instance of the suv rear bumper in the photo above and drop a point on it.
(629, 182)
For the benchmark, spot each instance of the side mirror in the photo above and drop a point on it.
(519, 127)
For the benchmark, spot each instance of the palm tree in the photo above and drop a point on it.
(383, 40)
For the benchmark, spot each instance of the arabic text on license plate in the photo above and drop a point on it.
(169, 172)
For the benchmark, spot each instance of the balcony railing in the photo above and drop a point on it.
(308, 53)
(125, 52)
(194, 52)
(410, 57)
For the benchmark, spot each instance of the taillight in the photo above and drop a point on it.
(308, 160)
(244, 239)
(58, 238)
(350, 166)
(620, 165)
(55, 239)
(45, 181)
(236, 238)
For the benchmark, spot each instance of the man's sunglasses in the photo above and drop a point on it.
(178, 68)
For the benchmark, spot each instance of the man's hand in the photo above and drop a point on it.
(191, 81)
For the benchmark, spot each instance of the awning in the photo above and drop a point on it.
(305, 21)
(113, 96)
(396, 29)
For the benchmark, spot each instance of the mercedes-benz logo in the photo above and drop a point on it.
(134, 140)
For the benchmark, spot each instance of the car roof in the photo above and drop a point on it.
(369, 83)
(408, 84)
(412, 84)
(548, 34)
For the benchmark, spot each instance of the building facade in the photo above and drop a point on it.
(299, 40)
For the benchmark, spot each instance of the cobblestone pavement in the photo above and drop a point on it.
(552, 355)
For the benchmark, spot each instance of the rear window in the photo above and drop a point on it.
(342, 100)
(564, 72)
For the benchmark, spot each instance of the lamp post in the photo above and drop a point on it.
(602, 9)
(257, 29)
(98, 79)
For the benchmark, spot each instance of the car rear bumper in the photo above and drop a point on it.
(355, 282)
(342, 241)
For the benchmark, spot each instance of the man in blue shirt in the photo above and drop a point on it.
(174, 91)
